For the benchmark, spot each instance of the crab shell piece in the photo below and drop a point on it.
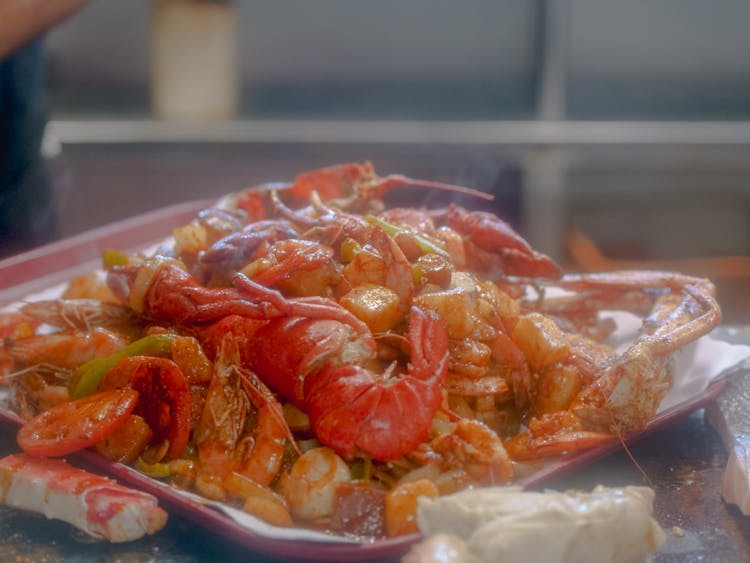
(96, 505)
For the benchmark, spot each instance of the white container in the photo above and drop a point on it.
(194, 60)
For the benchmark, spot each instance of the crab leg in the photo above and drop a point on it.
(631, 386)
(96, 505)
(629, 391)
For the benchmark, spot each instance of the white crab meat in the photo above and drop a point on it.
(498, 524)
(93, 504)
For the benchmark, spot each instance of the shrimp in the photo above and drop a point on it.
(553, 434)
(471, 373)
(84, 315)
(38, 388)
(224, 443)
(470, 453)
(66, 350)
(264, 454)
(164, 398)
(401, 506)
(475, 449)
(222, 423)
(310, 487)
(89, 286)
(258, 500)
(17, 325)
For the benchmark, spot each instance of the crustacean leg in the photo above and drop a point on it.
(492, 246)
(357, 187)
(554, 434)
(161, 289)
(96, 505)
(626, 393)
(311, 307)
(629, 391)
(474, 454)
(354, 187)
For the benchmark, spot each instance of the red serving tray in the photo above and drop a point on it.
(48, 265)
(58, 262)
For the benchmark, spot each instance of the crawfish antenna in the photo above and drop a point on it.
(399, 180)
(633, 460)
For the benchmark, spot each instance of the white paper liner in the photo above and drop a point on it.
(699, 364)
(696, 365)
(250, 522)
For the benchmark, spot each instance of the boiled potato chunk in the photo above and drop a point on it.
(375, 305)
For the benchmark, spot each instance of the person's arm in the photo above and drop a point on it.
(24, 20)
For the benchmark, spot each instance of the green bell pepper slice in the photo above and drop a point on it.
(86, 378)
(424, 243)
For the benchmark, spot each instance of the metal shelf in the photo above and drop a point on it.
(521, 134)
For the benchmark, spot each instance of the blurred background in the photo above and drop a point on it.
(612, 133)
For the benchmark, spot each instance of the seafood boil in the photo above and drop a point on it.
(320, 359)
